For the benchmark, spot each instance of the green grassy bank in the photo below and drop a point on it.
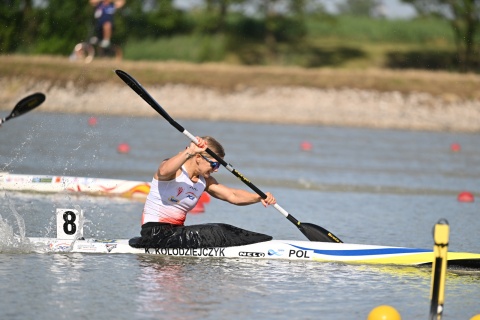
(337, 42)
(59, 71)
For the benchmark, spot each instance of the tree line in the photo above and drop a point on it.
(52, 26)
(464, 19)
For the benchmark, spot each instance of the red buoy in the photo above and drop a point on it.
(200, 206)
(465, 196)
(204, 198)
(92, 121)
(123, 148)
(306, 146)
(455, 147)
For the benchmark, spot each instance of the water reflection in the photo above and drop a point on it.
(172, 286)
(67, 270)
(211, 288)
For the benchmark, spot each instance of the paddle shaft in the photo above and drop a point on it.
(312, 232)
(154, 104)
(232, 170)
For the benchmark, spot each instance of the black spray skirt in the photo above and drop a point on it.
(164, 235)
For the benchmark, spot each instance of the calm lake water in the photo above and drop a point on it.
(380, 187)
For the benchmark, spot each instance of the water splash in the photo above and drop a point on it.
(12, 238)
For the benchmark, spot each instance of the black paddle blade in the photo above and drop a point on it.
(317, 233)
(27, 104)
(131, 82)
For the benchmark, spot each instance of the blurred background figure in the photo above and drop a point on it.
(99, 42)
(104, 13)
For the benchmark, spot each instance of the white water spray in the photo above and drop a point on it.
(12, 238)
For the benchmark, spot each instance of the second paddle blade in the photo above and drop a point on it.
(27, 104)
(317, 233)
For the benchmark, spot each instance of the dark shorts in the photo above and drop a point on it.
(163, 235)
(99, 31)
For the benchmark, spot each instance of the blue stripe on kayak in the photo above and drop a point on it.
(364, 252)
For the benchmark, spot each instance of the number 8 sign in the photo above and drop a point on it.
(69, 224)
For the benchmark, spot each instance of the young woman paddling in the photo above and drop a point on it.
(176, 187)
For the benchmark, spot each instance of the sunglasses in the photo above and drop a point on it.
(214, 164)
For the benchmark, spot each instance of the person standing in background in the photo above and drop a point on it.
(104, 13)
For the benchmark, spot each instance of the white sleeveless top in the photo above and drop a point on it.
(169, 201)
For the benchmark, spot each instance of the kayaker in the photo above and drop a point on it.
(176, 187)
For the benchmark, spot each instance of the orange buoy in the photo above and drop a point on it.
(465, 196)
(92, 121)
(199, 208)
(455, 147)
(204, 198)
(123, 148)
(306, 146)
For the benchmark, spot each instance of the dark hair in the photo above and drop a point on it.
(215, 146)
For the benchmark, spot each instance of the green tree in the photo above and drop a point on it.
(215, 15)
(283, 20)
(154, 19)
(62, 25)
(365, 8)
(164, 19)
(19, 24)
(463, 16)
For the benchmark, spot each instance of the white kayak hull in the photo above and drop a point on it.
(82, 185)
(274, 249)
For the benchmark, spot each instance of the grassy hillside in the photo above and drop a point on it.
(224, 77)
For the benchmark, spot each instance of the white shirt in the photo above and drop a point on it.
(169, 201)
